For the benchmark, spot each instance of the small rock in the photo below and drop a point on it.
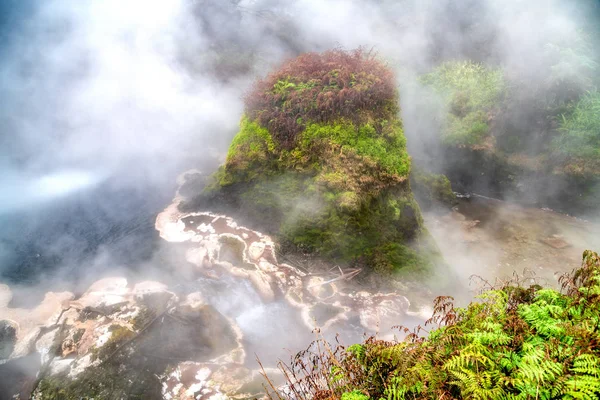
(256, 250)
(556, 242)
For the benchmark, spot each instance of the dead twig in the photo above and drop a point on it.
(344, 276)
(264, 374)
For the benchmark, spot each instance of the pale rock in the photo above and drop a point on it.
(194, 300)
(146, 287)
(45, 344)
(25, 345)
(59, 366)
(107, 291)
(262, 285)
(256, 250)
(80, 365)
(266, 266)
(199, 256)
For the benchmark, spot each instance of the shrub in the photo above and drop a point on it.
(572, 69)
(580, 131)
(470, 91)
(514, 343)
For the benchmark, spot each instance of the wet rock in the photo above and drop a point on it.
(8, 338)
(27, 323)
(262, 285)
(190, 381)
(379, 311)
(247, 254)
(556, 242)
(104, 348)
(256, 250)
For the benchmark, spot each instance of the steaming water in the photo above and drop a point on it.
(21, 193)
(61, 240)
(494, 239)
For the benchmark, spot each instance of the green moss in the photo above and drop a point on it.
(332, 179)
(111, 380)
(348, 201)
(249, 153)
(387, 148)
(372, 231)
(432, 189)
(253, 151)
(143, 318)
(120, 335)
(78, 335)
(342, 192)
(470, 130)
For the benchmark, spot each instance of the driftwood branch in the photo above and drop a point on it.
(347, 275)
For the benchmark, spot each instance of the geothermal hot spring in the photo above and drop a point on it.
(109, 109)
(483, 240)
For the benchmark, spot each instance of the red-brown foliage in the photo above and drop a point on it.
(321, 87)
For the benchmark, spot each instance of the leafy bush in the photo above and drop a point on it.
(515, 343)
(470, 91)
(580, 131)
(572, 69)
(320, 88)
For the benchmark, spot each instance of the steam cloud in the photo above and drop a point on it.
(106, 102)
(116, 98)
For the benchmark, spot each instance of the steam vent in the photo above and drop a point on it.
(320, 162)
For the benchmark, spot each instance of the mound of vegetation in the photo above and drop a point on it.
(320, 161)
(471, 91)
(514, 343)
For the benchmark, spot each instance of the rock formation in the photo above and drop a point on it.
(159, 342)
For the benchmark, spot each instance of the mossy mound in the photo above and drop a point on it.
(320, 161)
(432, 190)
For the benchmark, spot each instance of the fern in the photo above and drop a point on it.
(587, 364)
(515, 343)
(583, 387)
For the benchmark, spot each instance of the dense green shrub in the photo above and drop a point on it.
(580, 131)
(471, 91)
(514, 343)
(572, 68)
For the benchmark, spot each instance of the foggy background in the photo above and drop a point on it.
(104, 103)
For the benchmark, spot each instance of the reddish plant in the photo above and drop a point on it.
(323, 87)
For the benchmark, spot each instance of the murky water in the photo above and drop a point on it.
(496, 240)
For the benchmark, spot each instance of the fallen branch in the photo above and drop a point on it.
(344, 276)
